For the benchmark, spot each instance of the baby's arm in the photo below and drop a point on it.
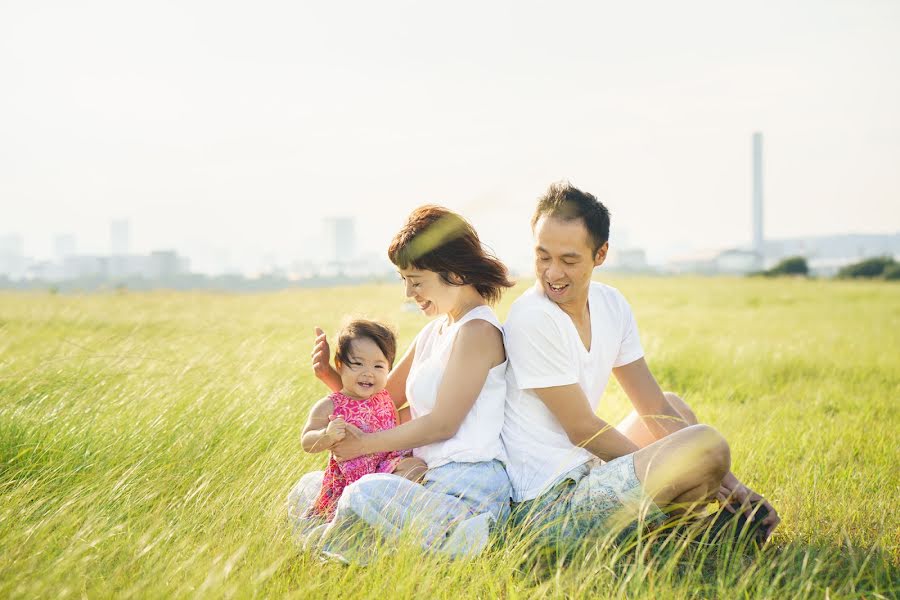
(320, 433)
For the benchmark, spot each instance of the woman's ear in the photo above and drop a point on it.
(455, 279)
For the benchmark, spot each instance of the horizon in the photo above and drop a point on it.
(266, 265)
(228, 132)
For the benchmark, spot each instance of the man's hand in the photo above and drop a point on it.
(747, 499)
(351, 446)
(336, 430)
(321, 362)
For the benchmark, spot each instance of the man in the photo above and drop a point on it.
(564, 337)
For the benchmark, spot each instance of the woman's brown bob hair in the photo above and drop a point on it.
(382, 335)
(439, 240)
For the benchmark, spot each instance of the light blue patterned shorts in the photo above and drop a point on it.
(451, 513)
(593, 498)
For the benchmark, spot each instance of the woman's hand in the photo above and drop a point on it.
(321, 362)
(353, 444)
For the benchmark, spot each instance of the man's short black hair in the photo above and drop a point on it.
(563, 200)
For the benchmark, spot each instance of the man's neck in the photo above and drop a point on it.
(578, 310)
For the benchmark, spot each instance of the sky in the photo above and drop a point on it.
(229, 131)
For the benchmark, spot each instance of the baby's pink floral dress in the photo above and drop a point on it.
(372, 414)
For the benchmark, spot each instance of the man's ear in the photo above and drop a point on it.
(601, 254)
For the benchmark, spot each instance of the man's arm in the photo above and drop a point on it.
(648, 399)
(585, 429)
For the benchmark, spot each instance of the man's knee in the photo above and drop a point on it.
(681, 408)
(714, 449)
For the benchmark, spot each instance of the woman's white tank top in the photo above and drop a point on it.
(478, 438)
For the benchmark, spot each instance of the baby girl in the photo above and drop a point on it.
(364, 356)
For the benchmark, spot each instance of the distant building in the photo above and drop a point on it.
(733, 261)
(13, 263)
(302, 269)
(848, 247)
(166, 264)
(63, 246)
(340, 236)
(701, 262)
(826, 254)
(121, 266)
(119, 237)
(12, 244)
(84, 267)
(629, 259)
(161, 264)
(737, 262)
(372, 264)
(758, 193)
(826, 267)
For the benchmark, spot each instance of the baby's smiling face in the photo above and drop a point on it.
(366, 370)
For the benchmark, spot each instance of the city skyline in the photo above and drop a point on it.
(338, 259)
(337, 252)
(235, 138)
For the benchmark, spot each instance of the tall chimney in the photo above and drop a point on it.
(757, 194)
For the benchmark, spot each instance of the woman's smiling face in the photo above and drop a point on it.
(433, 295)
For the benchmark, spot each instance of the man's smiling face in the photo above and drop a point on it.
(564, 259)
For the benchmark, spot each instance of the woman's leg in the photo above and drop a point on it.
(634, 429)
(442, 515)
(306, 529)
(303, 494)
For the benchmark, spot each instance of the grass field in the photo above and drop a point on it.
(148, 441)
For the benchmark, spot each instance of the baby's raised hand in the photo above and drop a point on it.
(336, 429)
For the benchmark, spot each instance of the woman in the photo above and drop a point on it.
(453, 379)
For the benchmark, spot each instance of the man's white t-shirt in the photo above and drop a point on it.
(545, 350)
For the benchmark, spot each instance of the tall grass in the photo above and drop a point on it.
(148, 441)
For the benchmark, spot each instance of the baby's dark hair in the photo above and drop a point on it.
(382, 335)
